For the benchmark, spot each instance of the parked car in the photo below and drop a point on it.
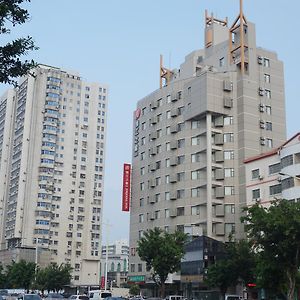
(99, 294)
(79, 297)
(114, 298)
(54, 296)
(29, 297)
(3, 294)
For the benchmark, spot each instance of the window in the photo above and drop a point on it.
(142, 186)
(275, 189)
(180, 110)
(195, 175)
(157, 181)
(180, 211)
(269, 142)
(159, 102)
(267, 78)
(158, 165)
(142, 155)
(143, 125)
(142, 202)
(132, 267)
(158, 149)
(159, 133)
(180, 159)
(195, 192)
(228, 154)
(195, 157)
(255, 173)
(181, 143)
(228, 120)
(180, 127)
(167, 213)
(269, 126)
(143, 111)
(180, 176)
(228, 137)
(143, 140)
(167, 162)
(195, 124)
(228, 190)
(168, 146)
(168, 98)
(229, 228)
(143, 171)
(287, 183)
(268, 94)
(275, 168)
(287, 161)
(229, 172)
(167, 195)
(157, 197)
(141, 218)
(168, 114)
(268, 110)
(222, 61)
(140, 268)
(168, 130)
(266, 62)
(180, 194)
(255, 194)
(196, 140)
(167, 179)
(229, 209)
(157, 214)
(195, 210)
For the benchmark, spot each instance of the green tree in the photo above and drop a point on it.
(54, 277)
(134, 290)
(237, 265)
(275, 233)
(11, 66)
(2, 277)
(162, 253)
(20, 274)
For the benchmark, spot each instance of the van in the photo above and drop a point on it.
(99, 294)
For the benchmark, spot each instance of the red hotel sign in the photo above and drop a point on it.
(126, 187)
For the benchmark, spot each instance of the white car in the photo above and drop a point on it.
(79, 297)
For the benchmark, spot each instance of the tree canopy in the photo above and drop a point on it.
(238, 264)
(53, 277)
(11, 65)
(20, 274)
(275, 235)
(162, 253)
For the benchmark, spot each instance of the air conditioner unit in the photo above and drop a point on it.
(261, 108)
(262, 124)
(262, 141)
(260, 177)
(257, 200)
(259, 60)
(261, 91)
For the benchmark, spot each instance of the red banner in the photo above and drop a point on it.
(126, 187)
(102, 283)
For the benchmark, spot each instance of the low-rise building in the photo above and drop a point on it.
(275, 174)
(117, 262)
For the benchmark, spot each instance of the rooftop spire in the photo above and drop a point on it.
(238, 49)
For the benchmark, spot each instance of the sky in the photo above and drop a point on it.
(118, 42)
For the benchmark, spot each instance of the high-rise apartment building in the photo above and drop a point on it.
(192, 135)
(52, 146)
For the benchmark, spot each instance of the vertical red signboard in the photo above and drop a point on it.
(126, 187)
(102, 283)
